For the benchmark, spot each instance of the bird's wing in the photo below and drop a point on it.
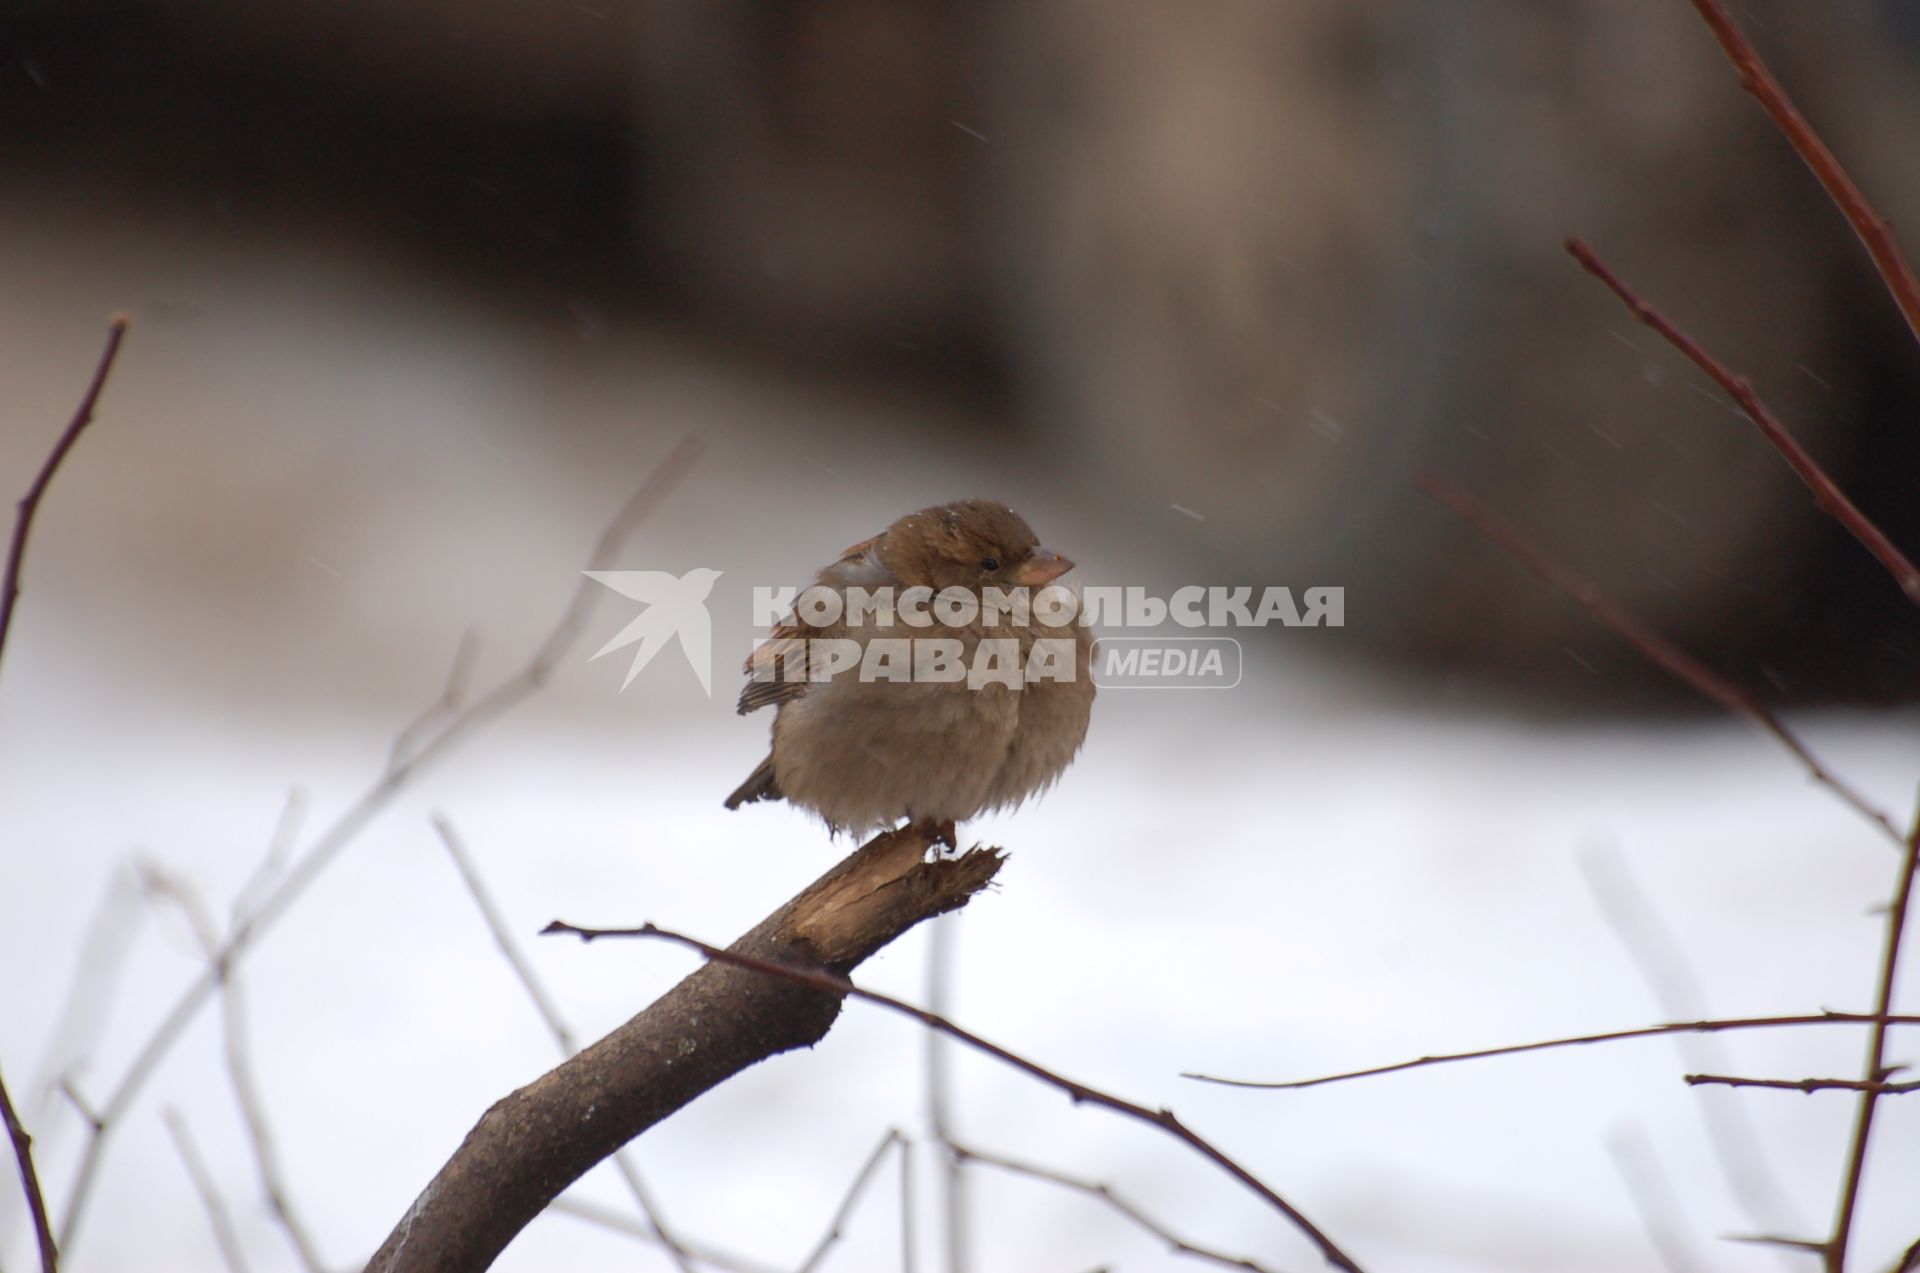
(766, 668)
(768, 664)
(861, 549)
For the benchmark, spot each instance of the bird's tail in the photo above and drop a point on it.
(760, 785)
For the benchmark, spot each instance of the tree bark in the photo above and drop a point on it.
(537, 1141)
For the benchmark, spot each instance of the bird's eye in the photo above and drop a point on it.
(990, 565)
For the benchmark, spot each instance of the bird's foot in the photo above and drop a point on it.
(945, 833)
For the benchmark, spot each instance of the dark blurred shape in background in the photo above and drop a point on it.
(1265, 261)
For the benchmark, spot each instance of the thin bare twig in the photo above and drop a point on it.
(1656, 951)
(223, 1232)
(851, 1198)
(81, 1106)
(563, 1036)
(1572, 1041)
(1804, 1085)
(30, 502)
(162, 886)
(1827, 495)
(636, 1227)
(253, 1112)
(496, 922)
(1779, 1240)
(106, 948)
(909, 1245)
(286, 833)
(1876, 235)
(953, 1177)
(1105, 1193)
(1653, 1197)
(1661, 652)
(342, 832)
(1163, 1119)
(406, 743)
(1876, 1065)
(30, 1181)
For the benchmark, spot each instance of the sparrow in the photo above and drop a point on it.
(863, 751)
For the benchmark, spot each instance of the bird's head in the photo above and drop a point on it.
(972, 544)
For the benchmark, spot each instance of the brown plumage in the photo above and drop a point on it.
(864, 753)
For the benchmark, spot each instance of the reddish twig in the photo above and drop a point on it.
(1827, 495)
(30, 1182)
(30, 502)
(1105, 1193)
(1876, 1067)
(1808, 1086)
(1661, 652)
(1876, 235)
(1163, 1119)
(1778, 1240)
(1573, 1041)
(294, 883)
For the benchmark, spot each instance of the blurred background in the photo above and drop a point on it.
(422, 290)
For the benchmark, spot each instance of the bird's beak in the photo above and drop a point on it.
(1040, 569)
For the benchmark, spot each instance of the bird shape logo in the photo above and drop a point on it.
(676, 607)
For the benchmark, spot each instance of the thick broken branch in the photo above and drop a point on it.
(720, 1020)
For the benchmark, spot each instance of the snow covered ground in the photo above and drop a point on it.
(307, 483)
